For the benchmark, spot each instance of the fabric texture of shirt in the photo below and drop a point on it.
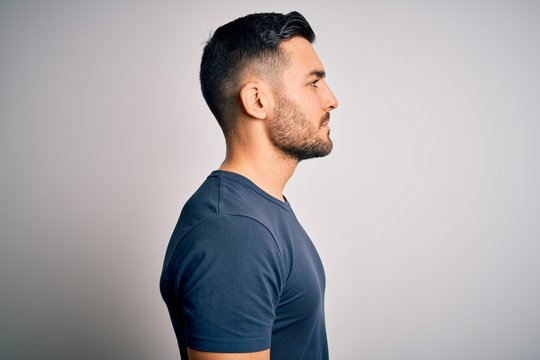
(241, 275)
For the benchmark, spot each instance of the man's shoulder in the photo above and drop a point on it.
(230, 204)
(230, 226)
(231, 194)
(222, 200)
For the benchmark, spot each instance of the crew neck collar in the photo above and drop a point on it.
(244, 180)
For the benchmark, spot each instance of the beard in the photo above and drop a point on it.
(296, 136)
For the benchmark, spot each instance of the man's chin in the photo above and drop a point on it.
(322, 150)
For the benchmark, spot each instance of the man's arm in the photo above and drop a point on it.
(227, 287)
(202, 355)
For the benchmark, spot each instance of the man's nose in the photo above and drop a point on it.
(331, 102)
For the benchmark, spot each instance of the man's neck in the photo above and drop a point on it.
(268, 170)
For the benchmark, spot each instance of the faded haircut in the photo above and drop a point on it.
(252, 42)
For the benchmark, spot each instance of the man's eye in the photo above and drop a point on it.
(314, 83)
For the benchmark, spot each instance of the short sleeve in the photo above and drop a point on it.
(229, 283)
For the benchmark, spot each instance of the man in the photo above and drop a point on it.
(241, 278)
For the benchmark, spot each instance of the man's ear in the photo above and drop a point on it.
(255, 99)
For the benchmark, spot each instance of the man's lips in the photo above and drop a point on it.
(325, 120)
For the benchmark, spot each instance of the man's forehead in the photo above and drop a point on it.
(301, 54)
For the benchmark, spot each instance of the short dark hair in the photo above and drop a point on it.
(252, 39)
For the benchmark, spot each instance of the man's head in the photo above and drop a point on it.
(274, 49)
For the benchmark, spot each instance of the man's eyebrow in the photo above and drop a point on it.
(317, 73)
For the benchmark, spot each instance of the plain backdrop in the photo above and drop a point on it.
(426, 214)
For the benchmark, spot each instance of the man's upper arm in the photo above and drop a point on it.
(229, 284)
(202, 355)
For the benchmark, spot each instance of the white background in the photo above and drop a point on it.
(426, 214)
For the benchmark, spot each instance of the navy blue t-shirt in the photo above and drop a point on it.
(241, 275)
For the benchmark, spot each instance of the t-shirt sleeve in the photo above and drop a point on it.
(229, 283)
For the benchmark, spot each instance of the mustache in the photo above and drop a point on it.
(325, 118)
